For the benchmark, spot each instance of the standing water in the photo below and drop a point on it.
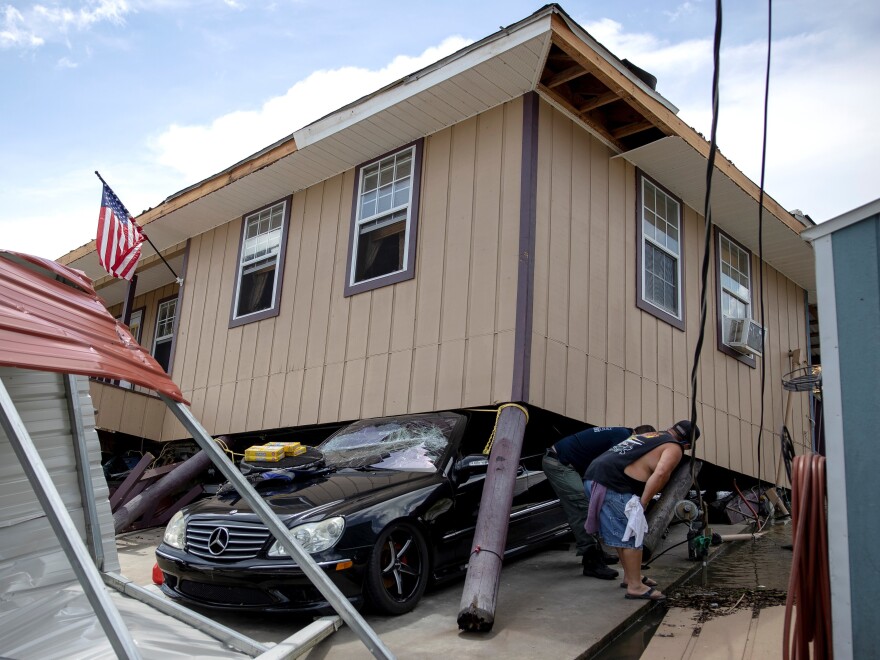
(748, 574)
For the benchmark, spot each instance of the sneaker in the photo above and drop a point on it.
(600, 571)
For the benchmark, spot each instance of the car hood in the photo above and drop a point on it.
(337, 493)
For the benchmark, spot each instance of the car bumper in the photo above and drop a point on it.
(258, 586)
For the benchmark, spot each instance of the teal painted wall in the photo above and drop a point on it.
(856, 251)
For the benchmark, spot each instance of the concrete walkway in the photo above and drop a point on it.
(546, 608)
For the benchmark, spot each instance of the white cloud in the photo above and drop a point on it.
(820, 124)
(198, 151)
(40, 24)
(66, 63)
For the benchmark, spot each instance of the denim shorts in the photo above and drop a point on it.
(612, 519)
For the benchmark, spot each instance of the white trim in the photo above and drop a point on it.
(841, 221)
(835, 467)
(413, 84)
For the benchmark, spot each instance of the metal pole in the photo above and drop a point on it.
(88, 576)
(83, 471)
(259, 506)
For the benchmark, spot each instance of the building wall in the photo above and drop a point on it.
(596, 357)
(134, 410)
(856, 262)
(441, 340)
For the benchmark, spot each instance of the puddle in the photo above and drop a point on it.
(749, 574)
(759, 564)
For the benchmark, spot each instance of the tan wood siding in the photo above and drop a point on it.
(598, 358)
(444, 339)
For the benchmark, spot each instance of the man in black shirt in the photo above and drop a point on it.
(564, 464)
(621, 483)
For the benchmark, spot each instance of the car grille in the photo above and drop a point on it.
(212, 593)
(225, 540)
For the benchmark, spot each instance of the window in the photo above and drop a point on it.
(260, 263)
(733, 288)
(384, 220)
(164, 339)
(659, 253)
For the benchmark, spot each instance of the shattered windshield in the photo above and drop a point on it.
(416, 444)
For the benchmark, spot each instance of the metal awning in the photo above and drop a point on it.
(682, 169)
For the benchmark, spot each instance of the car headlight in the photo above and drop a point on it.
(313, 537)
(175, 532)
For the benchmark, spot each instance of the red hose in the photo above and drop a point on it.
(809, 584)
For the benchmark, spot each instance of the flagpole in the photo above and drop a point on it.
(176, 277)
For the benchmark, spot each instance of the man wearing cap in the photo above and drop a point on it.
(564, 465)
(620, 483)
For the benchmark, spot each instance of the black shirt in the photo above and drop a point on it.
(579, 449)
(608, 469)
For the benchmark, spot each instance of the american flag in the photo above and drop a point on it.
(119, 238)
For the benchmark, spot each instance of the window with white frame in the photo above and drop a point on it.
(660, 256)
(258, 280)
(164, 337)
(384, 220)
(733, 274)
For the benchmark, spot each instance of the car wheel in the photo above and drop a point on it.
(397, 572)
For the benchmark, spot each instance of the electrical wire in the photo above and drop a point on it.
(707, 215)
(761, 226)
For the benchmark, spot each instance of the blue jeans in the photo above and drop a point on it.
(612, 519)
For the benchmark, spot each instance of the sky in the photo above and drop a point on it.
(160, 94)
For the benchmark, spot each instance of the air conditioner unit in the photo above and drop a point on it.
(743, 335)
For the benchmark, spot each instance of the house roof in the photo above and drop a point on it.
(51, 319)
(546, 52)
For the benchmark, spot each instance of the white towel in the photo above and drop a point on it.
(636, 523)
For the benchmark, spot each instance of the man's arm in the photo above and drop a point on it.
(669, 460)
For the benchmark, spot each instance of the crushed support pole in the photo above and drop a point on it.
(478, 599)
(661, 513)
(179, 478)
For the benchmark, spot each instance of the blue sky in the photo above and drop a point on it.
(160, 94)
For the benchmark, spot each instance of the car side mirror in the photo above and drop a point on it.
(471, 465)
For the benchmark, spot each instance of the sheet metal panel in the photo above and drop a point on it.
(51, 319)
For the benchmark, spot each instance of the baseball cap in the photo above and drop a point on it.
(684, 428)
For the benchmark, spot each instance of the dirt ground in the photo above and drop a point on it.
(718, 601)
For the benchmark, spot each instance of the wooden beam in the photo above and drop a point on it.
(569, 74)
(655, 111)
(631, 129)
(597, 129)
(598, 102)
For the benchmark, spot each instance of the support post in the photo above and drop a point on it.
(661, 513)
(179, 478)
(282, 534)
(478, 599)
(83, 471)
(68, 536)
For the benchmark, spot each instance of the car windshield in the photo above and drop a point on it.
(415, 444)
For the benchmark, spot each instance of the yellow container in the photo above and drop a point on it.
(264, 453)
(290, 448)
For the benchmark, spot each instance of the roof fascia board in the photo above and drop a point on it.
(199, 190)
(420, 81)
(661, 115)
(843, 220)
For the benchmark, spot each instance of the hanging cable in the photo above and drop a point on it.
(707, 215)
(761, 229)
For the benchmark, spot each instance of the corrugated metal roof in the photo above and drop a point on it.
(51, 319)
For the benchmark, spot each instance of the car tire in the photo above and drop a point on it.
(397, 571)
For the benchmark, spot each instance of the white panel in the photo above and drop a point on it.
(31, 555)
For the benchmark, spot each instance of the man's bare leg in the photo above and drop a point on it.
(631, 560)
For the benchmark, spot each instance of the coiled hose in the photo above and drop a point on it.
(809, 585)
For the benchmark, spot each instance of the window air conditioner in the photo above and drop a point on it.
(743, 335)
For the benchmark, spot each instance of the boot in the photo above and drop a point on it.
(609, 559)
(595, 567)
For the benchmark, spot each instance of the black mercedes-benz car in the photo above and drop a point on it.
(388, 506)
